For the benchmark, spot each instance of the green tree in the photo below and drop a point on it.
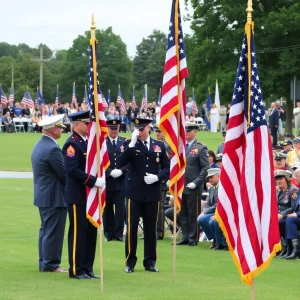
(148, 64)
(214, 46)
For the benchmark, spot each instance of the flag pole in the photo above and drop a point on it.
(93, 37)
(178, 133)
(249, 11)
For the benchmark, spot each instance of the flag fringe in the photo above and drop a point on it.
(92, 221)
(246, 278)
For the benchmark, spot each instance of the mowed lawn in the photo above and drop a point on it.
(16, 148)
(201, 273)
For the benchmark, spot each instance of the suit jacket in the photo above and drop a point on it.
(124, 119)
(274, 118)
(141, 161)
(220, 148)
(196, 167)
(74, 152)
(49, 175)
(115, 184)
(286, 201)
(211, 204)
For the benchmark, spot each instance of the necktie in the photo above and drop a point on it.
(114, 145)
(186, 146)
(145, 143)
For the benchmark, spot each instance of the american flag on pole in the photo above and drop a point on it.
(85, 99)
(96, 113)
(246, 208)
(74, 99)
(144, 100)
(104, 101)
(120, 101)
(173, 102)
(3, 97)
(27, 100)
(159, 97)
(194, 105)
(11, 94)
(133, 100)
(57, 95)
(108, 98)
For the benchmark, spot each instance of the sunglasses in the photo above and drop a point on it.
(156, 130)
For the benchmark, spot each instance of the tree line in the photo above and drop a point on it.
(212, 51)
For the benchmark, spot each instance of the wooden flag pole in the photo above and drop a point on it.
(93, 37)
(178, 132)
(249, 22)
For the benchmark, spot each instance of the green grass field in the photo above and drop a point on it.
(201, 273)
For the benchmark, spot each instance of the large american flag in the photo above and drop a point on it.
(144, 101)
(174, 101)
(194, 105)
(57, 95)
(12, 94)
(74, 99)
(3, 97)
(96, 111)
(133, 100)
(247, 208)
(120, 101)
(27, 100)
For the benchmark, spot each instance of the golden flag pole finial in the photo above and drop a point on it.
(249, 11)
(93, 28)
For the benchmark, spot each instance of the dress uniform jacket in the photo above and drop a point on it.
(115, 184)
(141, 161)
(74, 151)
(196, 167)
(286, 201)
(82, 234)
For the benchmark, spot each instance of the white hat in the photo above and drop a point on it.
(283, 173)
(213, 171)
(191, 125)
(52, 122)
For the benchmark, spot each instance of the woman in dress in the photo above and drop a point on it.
(190, 118)
(214, 118)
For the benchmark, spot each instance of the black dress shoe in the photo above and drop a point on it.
(160, 238)
(108, 239)
(92, 275)
(151, 269)
(192, 244)
(225, 248)
(129, 269)
(212, 246)
(82, 276)
(182, 242)
(119, 239)
(220, 247)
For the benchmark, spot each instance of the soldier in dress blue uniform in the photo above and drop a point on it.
(82, 234)
(148, 166)
(286, 200)
(114, 218)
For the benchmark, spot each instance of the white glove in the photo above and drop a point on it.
(168, 183)
(150, 178)
(100, 183)
(191, 185)
(134, 137)
(116, 173)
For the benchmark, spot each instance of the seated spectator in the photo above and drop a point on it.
(278, 148)
(67, 123)
(72, 109)
(219, 158)
(17, 111)
(286, 201)
(124, 121)
(296, 175)
(190, 118)
(292, 226)
(35, 119)
(25, 114)
(288, 136)
(221, 145)
(206, 219)
(44, 114)
(212, 159)
(280, 161)
(54, 111)
(294, 155)
(8, 122)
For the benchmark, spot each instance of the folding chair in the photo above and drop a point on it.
(18, 125)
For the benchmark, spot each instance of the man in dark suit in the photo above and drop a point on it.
(149, 165)
(61, 109)
(207, 220)
(49, 177)
(195, 173)
(273, 123)
(82, 234)
(124, 121)
(114, 212)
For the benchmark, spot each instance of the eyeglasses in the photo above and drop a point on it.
(157, 130)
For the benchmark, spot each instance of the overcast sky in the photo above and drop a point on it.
(57, 23)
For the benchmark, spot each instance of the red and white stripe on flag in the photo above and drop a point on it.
(173, 102)
(121, 104)
(93, 157)
(247, 208)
